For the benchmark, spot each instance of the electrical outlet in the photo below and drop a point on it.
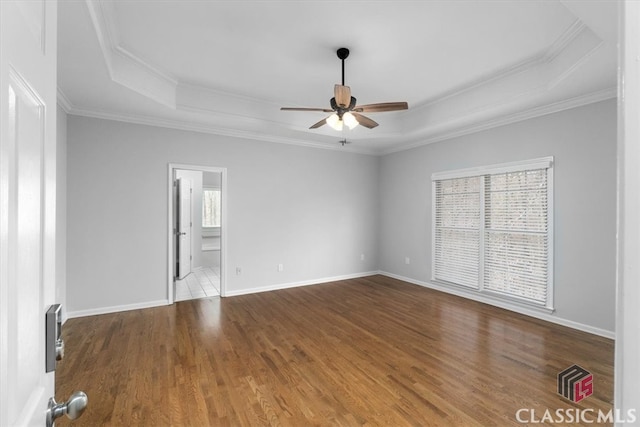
(238, 271)
(407, 260)
(280, 267)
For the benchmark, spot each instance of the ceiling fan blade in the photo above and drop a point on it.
(381, 107)
(342, 95)
(320, 123)
(326, 110)
(365, 121)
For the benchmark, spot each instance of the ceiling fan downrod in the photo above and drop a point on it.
(343, 53)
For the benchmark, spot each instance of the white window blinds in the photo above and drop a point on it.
(492, 230)
(515, 252)
(457, 230)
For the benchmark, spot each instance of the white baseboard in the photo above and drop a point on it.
(115, 309)
(150, 304)
(297, 284)
(505, 305)
(480, 298)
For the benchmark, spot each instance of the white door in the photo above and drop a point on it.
(184, 228)
(27, 205)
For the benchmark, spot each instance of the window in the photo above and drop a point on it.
(492, 230)
(211, 207)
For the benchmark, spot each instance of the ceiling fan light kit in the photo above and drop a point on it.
(344, 108)
(337, 123)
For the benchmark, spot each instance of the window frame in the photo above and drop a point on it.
(483, 172)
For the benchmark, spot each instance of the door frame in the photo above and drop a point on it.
(173, 167)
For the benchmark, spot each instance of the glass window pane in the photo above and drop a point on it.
(211, 208)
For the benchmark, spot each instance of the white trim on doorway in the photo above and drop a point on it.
(173, 167)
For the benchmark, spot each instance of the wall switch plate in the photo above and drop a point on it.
(238, 271)
(280, 267)
(407, 260)
(361, 257)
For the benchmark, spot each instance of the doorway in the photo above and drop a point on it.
(196, 232)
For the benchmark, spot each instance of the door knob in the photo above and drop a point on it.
(72, 408)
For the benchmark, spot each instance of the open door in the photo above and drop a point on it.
(183, 229)
(27, 213)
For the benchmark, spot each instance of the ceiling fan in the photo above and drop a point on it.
(344, 108)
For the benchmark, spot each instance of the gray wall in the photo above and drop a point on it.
(312, 210)
(316, 211)
(583, 143)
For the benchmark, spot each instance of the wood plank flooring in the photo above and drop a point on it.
(373, 351)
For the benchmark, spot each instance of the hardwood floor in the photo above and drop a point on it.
(370, 351)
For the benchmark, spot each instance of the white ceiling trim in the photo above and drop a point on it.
(123, 66)
(63, 101)
(201, 128)
(211, 101)
(508, 88)
(531, 113)
(546, 56)
(415, 142)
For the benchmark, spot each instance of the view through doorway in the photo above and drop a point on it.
(196, 232)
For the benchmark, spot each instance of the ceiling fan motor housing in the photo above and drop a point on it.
(341, 110)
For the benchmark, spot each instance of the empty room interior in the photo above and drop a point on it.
(338, 213)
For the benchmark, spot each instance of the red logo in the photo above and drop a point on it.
(575, 383)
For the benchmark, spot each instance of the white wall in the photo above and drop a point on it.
(583, 143)
(61, 210)
(212, 179)
(313, 210)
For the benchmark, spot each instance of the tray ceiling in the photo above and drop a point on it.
(226, 67)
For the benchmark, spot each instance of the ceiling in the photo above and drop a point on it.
(226, 67)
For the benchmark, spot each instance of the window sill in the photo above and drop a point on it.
(210, 231)
(491, 298)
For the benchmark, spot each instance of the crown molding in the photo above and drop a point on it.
(556, 107)
(563, 42)
(510, 88)
(63, 101)
(213, 130)
(123, 66)
(415, 142)
(544, 57)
